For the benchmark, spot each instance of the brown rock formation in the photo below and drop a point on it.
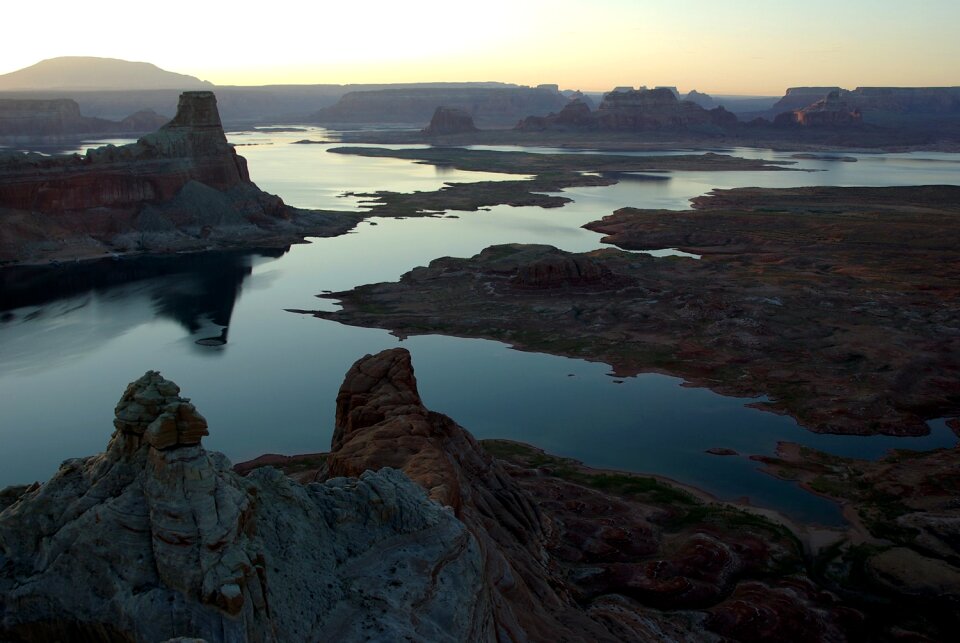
(381, 422)
(831, 111)
(181, 187)
(450, 120)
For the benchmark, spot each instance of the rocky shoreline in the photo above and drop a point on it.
(838, 304)
(410, 528)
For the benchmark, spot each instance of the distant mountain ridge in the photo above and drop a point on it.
(91, 73)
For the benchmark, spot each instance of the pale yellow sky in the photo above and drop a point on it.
(735, 46)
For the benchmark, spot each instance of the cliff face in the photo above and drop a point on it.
(62, 117)
(885, 106)
(181, 187)
(498, 106)
(157, 537)
(831, 111)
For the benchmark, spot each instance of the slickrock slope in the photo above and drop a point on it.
(158, 538)
(838, 304)
(182, 187)
(381, 422)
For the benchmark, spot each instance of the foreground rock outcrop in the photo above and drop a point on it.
(409, 529)
(157, 538)
(182, 187)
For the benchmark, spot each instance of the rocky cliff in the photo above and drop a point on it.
(157, 538)
(488, 106)
(181, 187)
(830, 111)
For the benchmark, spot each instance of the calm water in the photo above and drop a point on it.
(66, 358)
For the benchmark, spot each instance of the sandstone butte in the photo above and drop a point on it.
(450, 120)
(182, 187)
(410, 530)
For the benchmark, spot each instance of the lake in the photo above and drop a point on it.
(269, 382)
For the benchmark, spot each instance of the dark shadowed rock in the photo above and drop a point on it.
(450, 120)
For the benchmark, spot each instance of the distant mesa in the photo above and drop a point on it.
(500, 106)
(831, 111)
(910, 107)
(627, 109)
(800, 97)
(41, 118)
(91, 73)
(450, 120)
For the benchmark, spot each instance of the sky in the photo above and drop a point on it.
(756, 47)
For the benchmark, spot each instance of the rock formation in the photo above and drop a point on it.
(27, 119)
(158, 538)
(831, 111)
(450, 120)
(181, 187)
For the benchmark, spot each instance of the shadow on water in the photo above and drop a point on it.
(198, 291)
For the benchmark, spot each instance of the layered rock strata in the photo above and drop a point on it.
(181, 187)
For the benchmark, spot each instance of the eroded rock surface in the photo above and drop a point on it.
(157, 538)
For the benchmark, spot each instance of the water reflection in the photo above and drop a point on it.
(108, 297)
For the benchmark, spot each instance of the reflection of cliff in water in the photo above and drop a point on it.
(196, 290)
